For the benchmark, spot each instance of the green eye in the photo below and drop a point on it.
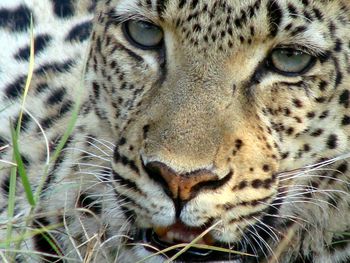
(291, 62)
(143, 34)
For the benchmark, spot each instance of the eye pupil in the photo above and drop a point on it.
(143, 34)
(287, 61)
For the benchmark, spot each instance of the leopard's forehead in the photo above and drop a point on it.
(229, 25)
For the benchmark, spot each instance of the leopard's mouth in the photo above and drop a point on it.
(161, 239)
(250, 248)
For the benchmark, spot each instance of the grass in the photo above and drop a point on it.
(16, 153)
(17, 168)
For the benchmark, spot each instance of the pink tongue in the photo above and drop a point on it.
(179, 233)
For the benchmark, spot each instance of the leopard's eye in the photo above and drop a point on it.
(290, 62)
(143, 34)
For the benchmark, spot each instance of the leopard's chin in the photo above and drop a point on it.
(169, 241)
(177, 236)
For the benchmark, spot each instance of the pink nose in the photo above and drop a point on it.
(183, 186)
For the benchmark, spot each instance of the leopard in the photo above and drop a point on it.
(175, 131)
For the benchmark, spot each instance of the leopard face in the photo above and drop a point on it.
(223, 123)
(215, 104)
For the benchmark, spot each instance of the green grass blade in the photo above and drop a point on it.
(11, 204)
(49, 239)
(21, 169)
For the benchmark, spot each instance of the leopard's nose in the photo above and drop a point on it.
(185, 186)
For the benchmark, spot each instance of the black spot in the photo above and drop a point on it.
(288, 27)
(324, 114)
(5, 185)
(15, 89)
(87, 202)
(40, 43)
(287, 112)
(257, 183)
(322, 86)
(129, 214)
(56, 97)
(182, 3)
(297, 103)
(148, 4)
(15, 19)
(339, 78)
(96, 90)
(290, 131)
(238, 144)
(305, 2)
(25, 121)
(63, 8)
(122, 141)
(47, 122)
(267, 183)
(308, 17)
(41, 87)
(306, 148)
(80, 32)
(3, 142)
(266, 168)
(332, 28)
(345, 120)
(56, 67)
(342, 168)
(339, 242)
(242, 185)
(320, 99)
(344, 98)
(145, 131)
(284, 155)
(332, 141)
(298, 30)
(25, 160)
(161, 6)
(66, 107)
(275, 17)
(292, 10)
(43, 241)
(311, 115)
(318, 14)
(338, 45)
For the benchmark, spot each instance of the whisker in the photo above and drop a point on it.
(88, 153)
(306, 200)
(274, 237)
(314, 167)
(99, 148)
(259, 238)
(248, 241)
(317, 176)
(90, 165)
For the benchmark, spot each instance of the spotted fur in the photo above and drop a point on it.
(200, 131)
